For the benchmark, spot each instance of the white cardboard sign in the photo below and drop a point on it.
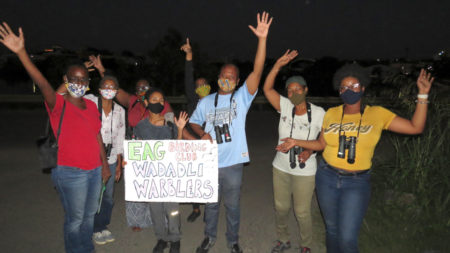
(171, 171)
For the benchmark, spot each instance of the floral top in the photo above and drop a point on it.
(116, 135)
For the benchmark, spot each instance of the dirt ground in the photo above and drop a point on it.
(31, 215)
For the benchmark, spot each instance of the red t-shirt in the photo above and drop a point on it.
(137, 111)
(77, 146)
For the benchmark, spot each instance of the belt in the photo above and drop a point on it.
(344, 172)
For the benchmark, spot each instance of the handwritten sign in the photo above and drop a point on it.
(171, 171)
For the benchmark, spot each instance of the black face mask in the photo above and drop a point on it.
(155, 108)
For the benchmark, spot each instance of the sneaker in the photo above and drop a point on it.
(194, 215)
(207, 244)
(174, 247)
(305, 250)
(107, 236)
(235, 248)
(280, 246)
(160, 246)
(98, 238)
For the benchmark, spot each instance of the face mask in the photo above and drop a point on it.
(76, 90)
(203, 91)
(297, 99)
(108, 93)
(155, 108)
(350, 97)
(226, 85)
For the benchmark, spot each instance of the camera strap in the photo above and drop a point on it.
(216, 100)
(308, 112)
(363, 107)
(100, 110)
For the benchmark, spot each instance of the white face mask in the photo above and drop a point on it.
(76, 90)
(108, 93)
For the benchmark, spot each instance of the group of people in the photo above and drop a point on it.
(93, 129)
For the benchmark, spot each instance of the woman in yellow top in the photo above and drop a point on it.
(349, 135)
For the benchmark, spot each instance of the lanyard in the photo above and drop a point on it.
(308, 112)
(360, 119)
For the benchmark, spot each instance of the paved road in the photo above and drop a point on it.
(31, 215)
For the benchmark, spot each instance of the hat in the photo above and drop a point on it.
(296, 79)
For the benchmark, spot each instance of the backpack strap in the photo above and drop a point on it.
(60, 123)
(100, 107)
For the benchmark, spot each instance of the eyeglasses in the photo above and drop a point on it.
(109, 87)
(351, 86)
(78, 80)
(142, 88)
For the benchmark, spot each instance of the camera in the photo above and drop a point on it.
(294, 152)
(108, 148)
(347, 143)
(225, 131)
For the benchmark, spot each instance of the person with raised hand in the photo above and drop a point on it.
(165, 215)
(225, 112)
(350, 133)
(293, 178)
(194, 92)
(81, 162)
(135, 103)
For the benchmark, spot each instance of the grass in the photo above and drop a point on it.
(410, 206)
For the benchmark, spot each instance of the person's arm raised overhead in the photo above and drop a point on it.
(417, 122)
(189, 85)
(261, 31)
(17, 45)
(271, 94)
(97, 63)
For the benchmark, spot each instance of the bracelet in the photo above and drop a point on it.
(422, 102)
(422, 96)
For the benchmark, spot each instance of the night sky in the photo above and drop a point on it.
(345, 29)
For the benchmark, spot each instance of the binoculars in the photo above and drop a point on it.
(224, 130)
(347, 143)
(293, 152)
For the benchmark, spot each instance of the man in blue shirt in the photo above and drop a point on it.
(225, 113)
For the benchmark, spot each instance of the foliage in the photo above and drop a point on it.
(412, 189)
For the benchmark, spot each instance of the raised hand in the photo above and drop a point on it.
(286, 58)
(186, 47)
(97, 63)
(424, 82)
(88, 65)
(181, 121)
(10, 40)
(262, 29)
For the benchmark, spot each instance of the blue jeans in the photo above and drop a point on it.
(102, 219)
(343, 201)
(230, 180)
(79, 191)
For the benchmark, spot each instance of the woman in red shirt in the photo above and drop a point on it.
(81, 163)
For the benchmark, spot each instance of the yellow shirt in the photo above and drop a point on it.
(374, 120)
